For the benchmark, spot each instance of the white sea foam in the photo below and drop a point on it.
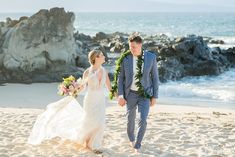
(219, 89)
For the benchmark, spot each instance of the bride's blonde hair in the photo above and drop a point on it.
(93, 55)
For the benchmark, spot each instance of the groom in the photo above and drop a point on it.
(130, 85)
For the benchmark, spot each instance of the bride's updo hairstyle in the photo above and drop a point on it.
(93, 55)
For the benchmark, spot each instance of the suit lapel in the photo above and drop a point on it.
(130, 67)
(144, 68)
(130, 63)
(145, 62)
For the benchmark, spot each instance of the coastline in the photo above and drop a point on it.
(38, 95)
(173, 130)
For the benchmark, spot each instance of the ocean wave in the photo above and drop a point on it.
(229, 42)
(220, 88)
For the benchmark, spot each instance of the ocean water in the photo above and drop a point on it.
(216, 25)
(214, 91)
(172, 24)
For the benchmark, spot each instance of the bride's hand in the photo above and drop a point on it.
(121, 101)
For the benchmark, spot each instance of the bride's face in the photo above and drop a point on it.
(100, 59)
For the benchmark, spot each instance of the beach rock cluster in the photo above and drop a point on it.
(45, 47)
(177, 57)
(39, 48)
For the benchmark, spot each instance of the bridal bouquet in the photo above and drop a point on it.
(70, 86)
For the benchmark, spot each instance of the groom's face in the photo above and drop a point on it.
(135, 48)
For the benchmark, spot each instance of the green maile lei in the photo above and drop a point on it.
(138, 75)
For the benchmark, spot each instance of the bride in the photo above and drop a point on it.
(68, 120)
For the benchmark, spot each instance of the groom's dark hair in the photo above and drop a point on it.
(135, 37)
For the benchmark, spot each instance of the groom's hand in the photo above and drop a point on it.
(121, 101)
(153, 101)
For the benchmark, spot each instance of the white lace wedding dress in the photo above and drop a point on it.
(68, 120)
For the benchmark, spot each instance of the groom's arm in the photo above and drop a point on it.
(155, 77)
(121, 78)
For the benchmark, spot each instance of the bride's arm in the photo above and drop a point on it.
(84, 78)
(85, 74)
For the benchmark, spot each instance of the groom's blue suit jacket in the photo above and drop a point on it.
(149, 79)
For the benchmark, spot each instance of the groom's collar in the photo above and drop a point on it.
(143, 52)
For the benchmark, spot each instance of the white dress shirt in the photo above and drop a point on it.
(133, 86)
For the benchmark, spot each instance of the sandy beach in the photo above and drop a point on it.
(172, 131)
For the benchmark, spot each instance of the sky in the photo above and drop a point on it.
(120, 5)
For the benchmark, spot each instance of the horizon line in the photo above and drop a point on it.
(130, 11)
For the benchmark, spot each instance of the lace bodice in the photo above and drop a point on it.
(93, 81)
